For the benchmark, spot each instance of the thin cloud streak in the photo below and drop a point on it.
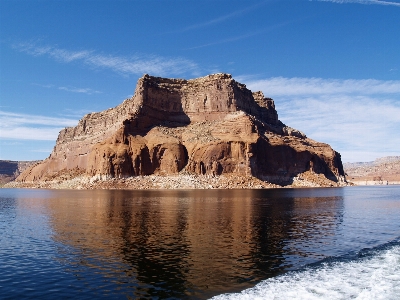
(47, 86)
(87, 91)
(77, 113)
(241, 37)
(42, 150)
(15, 118)
(30, 133)
(367, 2)
(228, 40)
(79, 90)
(123, 65)
(222, 18)
(311, 86)
(358, 118)
(32, 127)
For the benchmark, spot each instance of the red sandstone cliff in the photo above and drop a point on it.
(211, 125)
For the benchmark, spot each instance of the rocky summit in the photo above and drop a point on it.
(209, 127)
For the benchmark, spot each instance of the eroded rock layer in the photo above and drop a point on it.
(207, 126)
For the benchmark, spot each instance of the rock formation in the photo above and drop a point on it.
(206, 126)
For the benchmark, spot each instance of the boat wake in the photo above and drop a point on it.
(370, 274)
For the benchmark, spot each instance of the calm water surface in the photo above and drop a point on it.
(197, 244)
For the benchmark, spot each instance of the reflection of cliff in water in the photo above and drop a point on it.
(176, 243)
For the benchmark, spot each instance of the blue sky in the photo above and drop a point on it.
(332, 67)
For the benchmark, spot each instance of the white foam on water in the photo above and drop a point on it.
(374, 277)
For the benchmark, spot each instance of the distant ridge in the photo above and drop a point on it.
(9, 170)
(381, 160)
(383, 170)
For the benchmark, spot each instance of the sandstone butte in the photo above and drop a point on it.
(210, 127)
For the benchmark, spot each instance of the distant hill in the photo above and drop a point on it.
(384, 170)
(9, 169)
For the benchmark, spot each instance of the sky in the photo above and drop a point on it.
(332, 67)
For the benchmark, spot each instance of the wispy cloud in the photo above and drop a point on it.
(71, 89)
(312, 86)
(223, 18)
(223, 41)
(367, 2)
(47, 86)
(42, 150)
(358, 118)
(243, 36)
(79, 90)
(77, 113)
(124, 65)
(31, 127)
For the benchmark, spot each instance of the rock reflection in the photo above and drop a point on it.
(195, 244)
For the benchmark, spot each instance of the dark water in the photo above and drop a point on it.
(199, 243)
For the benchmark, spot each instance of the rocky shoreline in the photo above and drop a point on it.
(181, 181)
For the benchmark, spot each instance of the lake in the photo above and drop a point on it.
(325, 243)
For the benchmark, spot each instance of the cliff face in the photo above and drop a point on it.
(211, 125)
